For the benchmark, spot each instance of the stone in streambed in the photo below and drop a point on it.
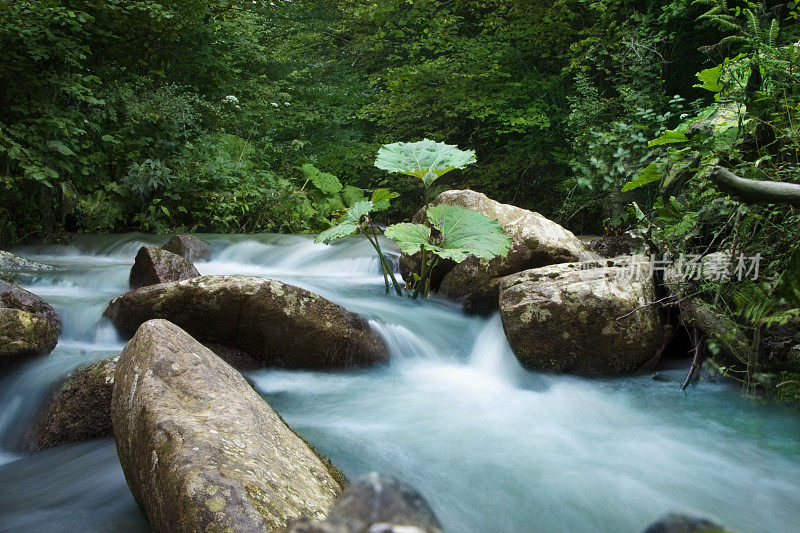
(201, 451)
(560, 318)
(189, 246)
(24, 334)
(536, 241)
(154, 265)
(376, 504)
(680, 523)
(278, 324)
(80, 409)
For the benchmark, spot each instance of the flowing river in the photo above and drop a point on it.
(493, 447)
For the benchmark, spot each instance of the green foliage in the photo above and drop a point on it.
(425, 159)
(457, 234)
(324, 181)
(348, 225)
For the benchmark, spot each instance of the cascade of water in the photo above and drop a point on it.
(493, 446)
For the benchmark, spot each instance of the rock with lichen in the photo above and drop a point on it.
(80, 409)
(536, 241)
(276, 323)
(24, 334)
(14, 263)
(154, 265)
(200, 449)
(562, 318)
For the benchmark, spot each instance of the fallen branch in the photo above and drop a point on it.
(754, 191)
(698, 340)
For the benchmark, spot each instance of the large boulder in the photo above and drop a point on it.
(15, 297)
(24, 334)
(278, 324)
(80, 409)
(200, 449)
(189, 246)
(154, 265)
(375, 503)
(536, 241)
(562, 318)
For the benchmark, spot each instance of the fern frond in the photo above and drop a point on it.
(781, 318)
(774, 30)
(752, 23)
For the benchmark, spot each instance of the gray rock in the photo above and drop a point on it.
(80, 409)
(201, 451)
(24, 334)
(189, 246)
(154, 265)
(15, 297)
(375, 504)
(536, 241)
(679, 523)
(15, 263)
(278, 324)
(560, 318)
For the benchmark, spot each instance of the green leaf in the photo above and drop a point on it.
(381, 199)
(710, 79)
(425, 159)
(668, 137)
(409, 237)
(649, 174)
(60, 147)
(324, 181)
(352, 195)
(348, 225)
(465, 232)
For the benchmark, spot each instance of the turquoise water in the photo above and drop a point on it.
(492, 446)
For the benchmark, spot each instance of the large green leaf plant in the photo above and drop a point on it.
(452, 232)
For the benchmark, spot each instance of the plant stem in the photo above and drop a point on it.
(385, 266)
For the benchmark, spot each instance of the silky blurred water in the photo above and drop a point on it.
(492, 446)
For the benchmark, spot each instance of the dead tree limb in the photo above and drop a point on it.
(697, 339)
(755, 191)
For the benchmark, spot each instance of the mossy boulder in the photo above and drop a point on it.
(154, 265)
(561, 318)
(189, 246)
(277, 324)
(536, 241)
(80, 409)
(200, 449)
(15, 297)
(24, 334)
(375, 503)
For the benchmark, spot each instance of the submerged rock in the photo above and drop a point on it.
(560, 318)
(536, 241)
(154, 265)
(278, 324)
(24, 334)
(375, 503)
(80, 409)
(201, 451)
(15, 297)
(680, 523)
(188, 246)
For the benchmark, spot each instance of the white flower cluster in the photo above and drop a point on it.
(230, 99)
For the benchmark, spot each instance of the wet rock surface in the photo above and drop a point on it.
(201, 451)
(277, 324)
(80, 409)
(154, 265)
(188, 246)
(560, 318)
